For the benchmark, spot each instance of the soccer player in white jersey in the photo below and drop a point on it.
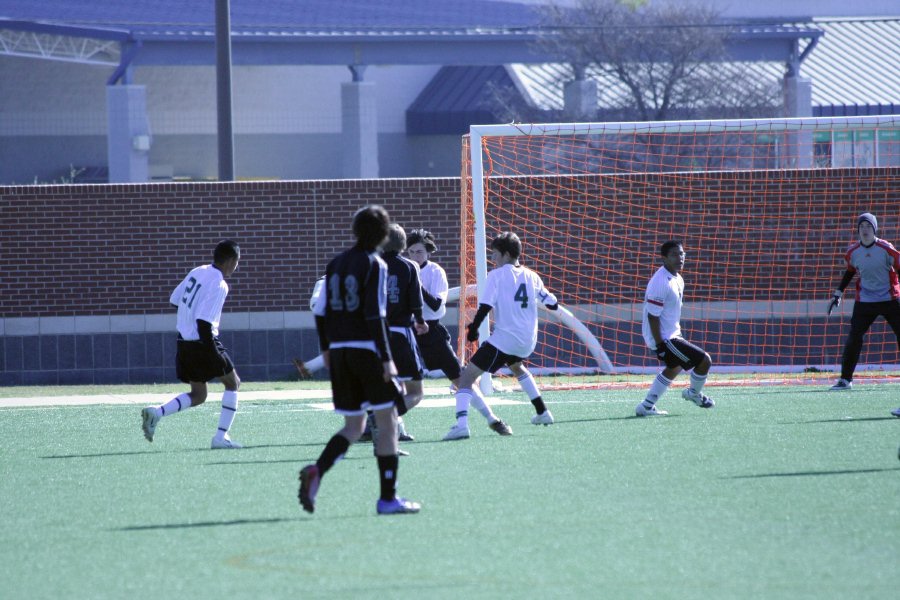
(877, 263)
(435, 346)
(662, 334)
(513, 293)
(201, 357)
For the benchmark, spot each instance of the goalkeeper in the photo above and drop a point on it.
(513, 293)
(877, 263)
(662, 333)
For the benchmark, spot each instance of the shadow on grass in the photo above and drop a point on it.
(847, 420)
(811, 473)
(623, 418)
(298, 461)
(139, 452)
(205, 524)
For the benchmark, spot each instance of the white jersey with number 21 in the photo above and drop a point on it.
(514, 293)
(200, 295)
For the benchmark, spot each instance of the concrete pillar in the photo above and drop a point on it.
(359, 128)
(798, 103)
(128, 134)
(580, 100)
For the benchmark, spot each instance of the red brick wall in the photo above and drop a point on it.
(120, 249)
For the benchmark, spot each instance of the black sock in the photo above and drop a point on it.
(334, 450)
(400, 403)
(539, 405)
(387, 469)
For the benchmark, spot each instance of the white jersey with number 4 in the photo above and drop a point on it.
(663, 299)
(514, 293)
(200, 296)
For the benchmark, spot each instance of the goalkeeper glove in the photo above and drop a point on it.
(835, 301)
(661, 351)
(472, 332)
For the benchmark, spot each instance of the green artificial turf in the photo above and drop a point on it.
(778, 492)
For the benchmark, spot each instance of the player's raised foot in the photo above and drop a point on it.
(896, 413)
(698, 398)
(545, 418)
(223, 442)
(309, 487)
(397, 506)
(642, 411)
(457, 432)
(841, 385)
(150, 418)
(501, 428)
(402, 435)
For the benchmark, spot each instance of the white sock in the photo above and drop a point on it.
(229, 408)
(463, 399)
(482, 406)
(697, 382)
(529, 386)
(657, 389)
(176, 404)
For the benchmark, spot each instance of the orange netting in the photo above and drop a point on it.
(765, 218)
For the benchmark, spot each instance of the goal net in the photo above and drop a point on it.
(765, 209)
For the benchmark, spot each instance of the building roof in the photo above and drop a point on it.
(853, 69)
(177, 19)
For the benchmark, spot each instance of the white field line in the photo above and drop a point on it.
(440, 398)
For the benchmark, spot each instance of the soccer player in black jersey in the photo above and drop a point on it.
(405, 320)
(351, 323)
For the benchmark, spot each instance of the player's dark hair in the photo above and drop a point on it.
(396, 239)
(508, 243)
(225, 251)
(668, 245)
(370, 226)
(424, 237)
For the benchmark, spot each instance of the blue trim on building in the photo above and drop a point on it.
(107, 358)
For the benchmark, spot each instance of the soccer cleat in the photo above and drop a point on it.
(896, 413)
(842, 384)
(309, 487)
(642, 411)
(698, 398)
(501, 428)
(545, 418)
(402, 435)
(301, 369)
(150, 420)
(457, 432)
(397, 506)
(224, 442)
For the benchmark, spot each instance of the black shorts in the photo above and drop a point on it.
(682, 353)
(405, 351)
(357, 382)
(488, 358)
(195, 361)
(437, 352)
